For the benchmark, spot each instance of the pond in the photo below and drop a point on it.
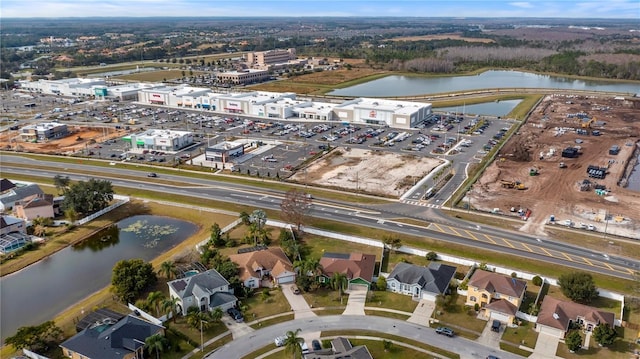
(395, 85)
(42, 290)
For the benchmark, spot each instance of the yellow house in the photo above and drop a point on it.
(498, 296)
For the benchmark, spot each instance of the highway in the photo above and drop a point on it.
(380, 216)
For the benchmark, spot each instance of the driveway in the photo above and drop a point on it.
(357, 299)
(490, 338)
(297, 302)
(237, 329)
(546, 347)
(423, 312)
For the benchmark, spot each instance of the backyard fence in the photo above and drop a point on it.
(121, 200)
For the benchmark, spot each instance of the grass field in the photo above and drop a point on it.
(161, 75)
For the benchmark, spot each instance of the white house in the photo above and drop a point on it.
(420, 282)
(207, 291)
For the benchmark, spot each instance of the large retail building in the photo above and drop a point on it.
(159, 140)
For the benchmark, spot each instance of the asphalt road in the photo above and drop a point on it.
(248, 344)
(374, 216)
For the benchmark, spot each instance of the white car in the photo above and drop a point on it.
(279, 341)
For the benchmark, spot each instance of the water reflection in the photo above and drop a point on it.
(105, 238)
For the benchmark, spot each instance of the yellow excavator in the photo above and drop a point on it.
(586, 123)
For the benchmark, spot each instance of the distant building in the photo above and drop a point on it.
(44, 131)
(242, 77)
(17, 193)
(162, 140)
(263, 59)
(10, 224)
(65, 87)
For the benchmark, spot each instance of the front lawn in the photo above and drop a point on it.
(459, 317)
(260, 305)
(390, 300)
(522, 335)
(324, 297)
(618, 350)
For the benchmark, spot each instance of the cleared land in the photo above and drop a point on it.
(557, 191)
(80, 137)
(443, 37)
(161, 75)
(374, 172)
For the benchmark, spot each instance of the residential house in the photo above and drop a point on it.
(555, 317)
(206, 290)
(111, 339)
(341, 348)
(357, 267)
(498, 296)
(18, 192)
(264, 267)
(421, 282)
(35, 206)
(13, 234)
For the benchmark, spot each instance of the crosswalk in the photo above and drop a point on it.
(422, 204)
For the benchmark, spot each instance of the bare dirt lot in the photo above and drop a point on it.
(443, 37)
(80, 137)
(379, 173)
(557, 191)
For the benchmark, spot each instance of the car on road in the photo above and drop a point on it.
(152, 174)
(445, 331)
(492, 357)
(235, 314)
(279, 341)
(315, 344)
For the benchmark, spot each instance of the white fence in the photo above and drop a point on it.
(227, 228)
(32, 355)
(144, 314)
(121, 200)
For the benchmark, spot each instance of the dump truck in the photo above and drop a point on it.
(533, 171)
(513, 184)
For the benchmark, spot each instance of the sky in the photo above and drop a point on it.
(621, 9)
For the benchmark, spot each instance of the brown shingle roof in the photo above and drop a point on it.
(354, 265)
(498, 283)
(502, 306)
(272, 259)
(567, 311)
(37, 200)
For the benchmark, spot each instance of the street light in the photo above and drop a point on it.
(202, 335)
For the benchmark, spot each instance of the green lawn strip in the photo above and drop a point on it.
(208, 348)
(266, 349)
(390, 300)
(618, 350)
(329, 311)
(377, 350)
(524, 334)
(384, 313)
(271, 321)
(515, 350)
(356, 333)
(325, 298)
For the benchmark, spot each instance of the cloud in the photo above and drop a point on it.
(521, 4)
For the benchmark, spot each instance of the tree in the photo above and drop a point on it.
(537, 280)
(131, 277)
(391, 241)
(88, 197)
(381, 284)
(169, 307)
(295, 207)
(258, 219)
(195, 317)
(431, 256)
(339, 282)
(578, 286)
(244, 218)
(156, 343)
(155, 299)
(216, 315)
(168, 269)
(293, 343)
(573, 340)
(387, 345)
(216, 238)
(603, 334)
(61, 183)
(36, 338)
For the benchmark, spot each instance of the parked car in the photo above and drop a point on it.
(495, 325)
(315, 344)
(279, 341)
(492, 357)
(445, 331)
(295, 289)
(235, 314)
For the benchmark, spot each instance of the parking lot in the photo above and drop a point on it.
(452, 136)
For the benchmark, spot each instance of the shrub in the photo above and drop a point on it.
(432, 256)
(514, 275)
(537, 280)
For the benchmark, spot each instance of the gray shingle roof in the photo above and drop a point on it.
(435, 278)
(112, 341)
(204, 281)
(18, 193)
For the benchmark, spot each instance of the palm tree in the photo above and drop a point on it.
(156, 342)
(167, 269)
(154, 299)
(216, 315)
(293, 343)
(169, 307)
(339, 282)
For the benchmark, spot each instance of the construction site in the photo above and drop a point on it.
(568, 165)
(79, 138)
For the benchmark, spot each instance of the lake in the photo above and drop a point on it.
(44, 289)
(493, 108)
(395, 85)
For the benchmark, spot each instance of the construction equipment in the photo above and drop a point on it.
(513, 184)
(562, 165)
(533, 171)
(586, 123)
